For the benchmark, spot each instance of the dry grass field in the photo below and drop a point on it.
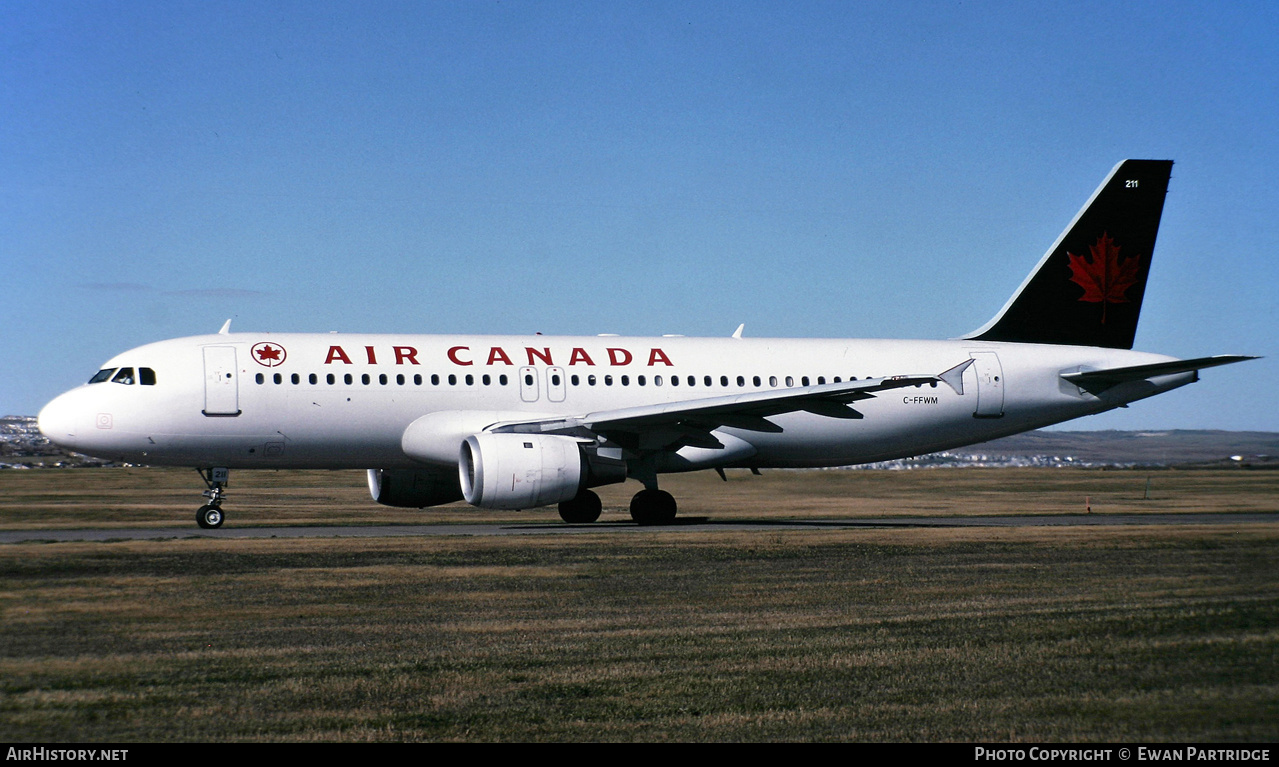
(154, 497)
(1134, 633)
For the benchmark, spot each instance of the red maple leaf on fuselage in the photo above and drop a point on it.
(1104, 278)
(268, 353)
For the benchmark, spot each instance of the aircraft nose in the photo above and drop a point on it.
(59, 421)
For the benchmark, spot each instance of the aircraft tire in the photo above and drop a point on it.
(653, 507)
(209, 517)
(586, 507)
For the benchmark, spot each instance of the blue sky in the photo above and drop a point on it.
(848, 169)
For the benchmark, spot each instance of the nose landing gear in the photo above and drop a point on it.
(210, 515)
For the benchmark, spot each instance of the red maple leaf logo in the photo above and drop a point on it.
(1104, 278)
(268, 354)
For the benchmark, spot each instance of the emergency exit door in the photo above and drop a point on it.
(529, 388)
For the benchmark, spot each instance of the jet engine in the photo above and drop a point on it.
(414, 488)
(520, 471)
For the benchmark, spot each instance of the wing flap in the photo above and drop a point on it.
(748, 411)
(831, 409)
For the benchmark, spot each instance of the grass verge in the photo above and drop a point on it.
(1041, 634)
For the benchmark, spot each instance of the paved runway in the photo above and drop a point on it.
(690, 524)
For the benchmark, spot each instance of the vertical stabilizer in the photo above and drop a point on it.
(1087, 290)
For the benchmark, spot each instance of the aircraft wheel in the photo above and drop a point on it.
(653, 507)
(586, 507)
(209, 517)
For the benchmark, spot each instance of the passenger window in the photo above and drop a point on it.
(364, 379)
(399, 379)
(640, 380)
(452, 379)
(125, 376)
(279, 379)
(790, 380)
(470, 380)
(381, 379)
(502, 379)
(573, 379)
(590, 380)
(417, 379)
(330, 379)
(723, 380)
(755, 380)
(347, 379)
(296, 379)
(486, 379)
(772, 380)
(260, 378)
(821, 380)
(146, 376)
(608, 380)
(626, 380)
(803, 381)
(102, 375)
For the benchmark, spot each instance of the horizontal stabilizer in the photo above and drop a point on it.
(1097, 381)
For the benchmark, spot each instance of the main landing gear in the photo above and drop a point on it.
(650, 506)
(586, 507)
(210, 515)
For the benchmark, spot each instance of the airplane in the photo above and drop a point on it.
(524, 421)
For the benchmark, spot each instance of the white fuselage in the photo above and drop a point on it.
(336, 401)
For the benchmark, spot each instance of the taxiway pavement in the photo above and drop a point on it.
(690, 524)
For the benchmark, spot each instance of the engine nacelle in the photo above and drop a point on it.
(520, 471)
(414, 488)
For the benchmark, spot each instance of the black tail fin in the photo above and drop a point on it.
(1087, 290)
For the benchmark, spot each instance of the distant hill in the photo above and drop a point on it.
(1174, 447)
(22, 445)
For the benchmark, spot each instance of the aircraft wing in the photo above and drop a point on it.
(1097, 381)
(683, 421)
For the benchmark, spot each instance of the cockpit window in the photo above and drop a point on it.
(102, 375)
(125, 376)
(146, 376)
